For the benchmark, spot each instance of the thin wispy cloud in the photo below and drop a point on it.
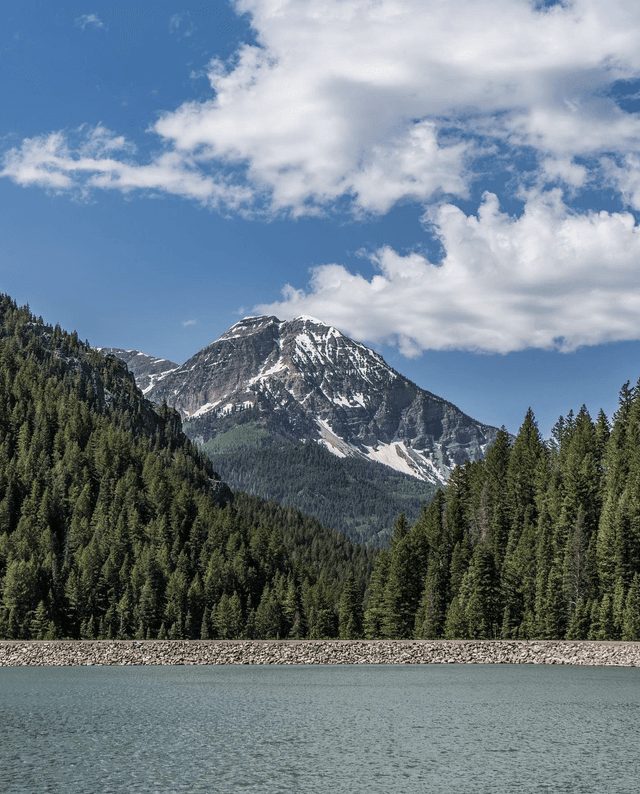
(356, 106)
(181, 25)
(175, 21)
(188, 323)
(90, 20)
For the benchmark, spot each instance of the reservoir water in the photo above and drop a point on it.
(438, 729)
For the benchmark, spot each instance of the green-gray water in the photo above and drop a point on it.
(315, 730)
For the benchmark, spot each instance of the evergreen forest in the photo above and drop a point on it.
(113, 524)
(537, 541)
(358, 498)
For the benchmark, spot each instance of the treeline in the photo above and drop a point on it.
(358, 498)
(113, 523)
(537, 541)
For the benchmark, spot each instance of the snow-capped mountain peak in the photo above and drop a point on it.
(305, 380)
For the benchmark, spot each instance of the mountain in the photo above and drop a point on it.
(304, 381)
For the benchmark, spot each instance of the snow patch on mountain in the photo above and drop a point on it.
(204, 409)
(396, 455)
(156, 378)
(333, 442)
(265, 374)
(407, 460)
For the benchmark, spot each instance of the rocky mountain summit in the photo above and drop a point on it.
(302, 380)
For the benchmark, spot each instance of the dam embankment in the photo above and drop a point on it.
(16, 653)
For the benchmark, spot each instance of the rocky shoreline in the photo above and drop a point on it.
(15, 653)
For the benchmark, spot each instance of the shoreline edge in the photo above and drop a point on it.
(57, 653)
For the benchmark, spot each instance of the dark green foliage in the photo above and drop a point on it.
(374, 603)
(350, 610)
(112, 524)
(537, 541)
(358, 498)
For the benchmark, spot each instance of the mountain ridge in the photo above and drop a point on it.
(306, 381)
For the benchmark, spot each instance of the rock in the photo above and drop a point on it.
(266, 652)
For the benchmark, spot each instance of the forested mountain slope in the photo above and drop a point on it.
(356, 497)
(537, 541)
(299, 412)
(113, 524)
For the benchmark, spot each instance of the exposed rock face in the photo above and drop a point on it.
(304, 380)
(147, 370)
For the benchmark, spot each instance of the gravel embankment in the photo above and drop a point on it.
(199, 652)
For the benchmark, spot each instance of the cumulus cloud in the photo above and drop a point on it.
(373, 102)
(624, 176)
(385, 101)
(358, 105)
(550, 279)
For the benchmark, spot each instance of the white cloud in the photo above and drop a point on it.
(357, 105)
(563, 169)
(188, 323)
(354, 97)
(175, 21)
(624, 177)
(50, 161)
(548, 279)
(89, 20)
(380, 101)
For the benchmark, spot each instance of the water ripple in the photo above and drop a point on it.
(320, 730)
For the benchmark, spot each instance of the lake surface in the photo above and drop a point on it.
(320, 729)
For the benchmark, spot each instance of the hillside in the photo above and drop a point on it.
(358, 498)
(113, 524)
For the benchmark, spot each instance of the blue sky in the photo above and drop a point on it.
(455, 183)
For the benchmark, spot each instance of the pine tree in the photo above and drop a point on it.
(228, 621)
(293, 612)
(496, 467)
(268, 620)
(480, 596)
(578, 628)
(402, 591)
(39, 623)
(374, 611)
(631, 617)
(606, 626)
(555, 617)
(456, 626)
(350, 610)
